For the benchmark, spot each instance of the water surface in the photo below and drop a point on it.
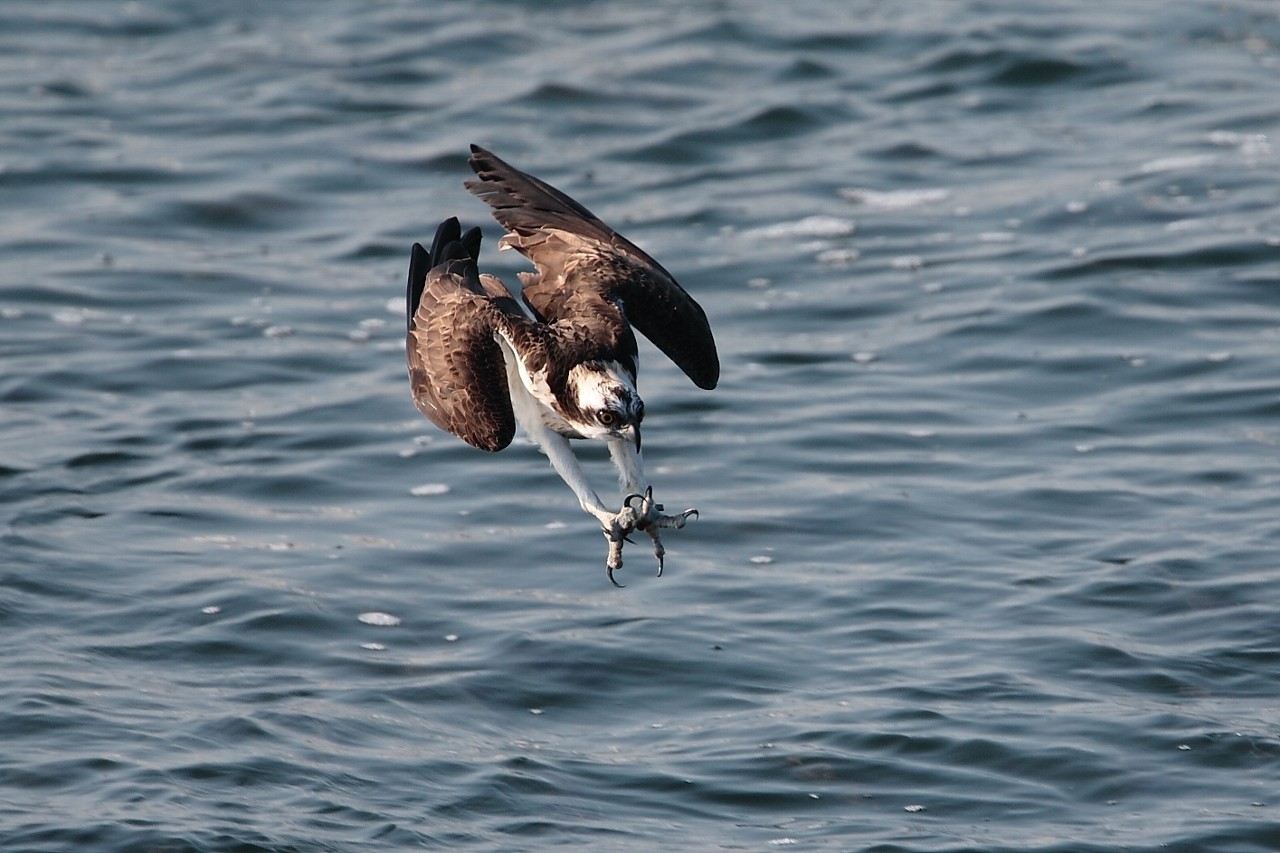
(986, 558)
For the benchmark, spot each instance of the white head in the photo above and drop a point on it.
(607, 403)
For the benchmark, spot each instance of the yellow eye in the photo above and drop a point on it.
(606, 417)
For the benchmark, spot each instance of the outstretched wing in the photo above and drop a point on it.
(581, 261)
(456, 367)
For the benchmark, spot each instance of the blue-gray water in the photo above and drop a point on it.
(989, 542)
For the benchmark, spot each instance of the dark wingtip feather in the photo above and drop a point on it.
(447, 232)
(449, 245)
(470, 242)
(419, 265)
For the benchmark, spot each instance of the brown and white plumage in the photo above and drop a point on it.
(564, 368)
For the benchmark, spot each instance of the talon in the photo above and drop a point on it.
(659, 551)
(609, 571)
(613, 562)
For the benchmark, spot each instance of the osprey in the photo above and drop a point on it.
(564, 365)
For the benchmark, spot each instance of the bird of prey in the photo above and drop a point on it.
(564, 364)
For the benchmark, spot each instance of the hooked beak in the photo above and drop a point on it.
(634, 430)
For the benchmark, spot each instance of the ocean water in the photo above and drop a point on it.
(988, 547)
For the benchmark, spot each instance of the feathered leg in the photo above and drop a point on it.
(615, 525)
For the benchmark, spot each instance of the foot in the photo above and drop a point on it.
(650, 519)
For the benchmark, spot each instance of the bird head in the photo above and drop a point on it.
(607, 403)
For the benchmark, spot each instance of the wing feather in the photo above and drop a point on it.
(457, 371)
(582, 263)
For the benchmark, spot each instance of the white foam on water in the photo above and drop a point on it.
(380, 619)
(809, 226)
(893, 199)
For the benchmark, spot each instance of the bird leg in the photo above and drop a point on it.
(644, 515)
(615, 525)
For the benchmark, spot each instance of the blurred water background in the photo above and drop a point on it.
(988, 549)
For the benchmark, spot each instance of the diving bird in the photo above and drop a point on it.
(564, 364)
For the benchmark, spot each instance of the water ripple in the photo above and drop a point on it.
(985, 553)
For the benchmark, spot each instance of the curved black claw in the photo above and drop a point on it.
(615, 537)
(646, 497)
(659, 565)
